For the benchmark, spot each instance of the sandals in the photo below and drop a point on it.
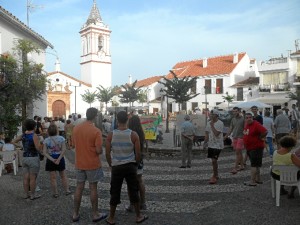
(213, 180)
(234, 171)
(250, 184)
(145, 217)
(33, 197)
(55, 195)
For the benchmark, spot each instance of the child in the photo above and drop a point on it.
(1, 140)
(8, 146)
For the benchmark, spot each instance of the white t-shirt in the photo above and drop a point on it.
(268, 123)
(8, 147)
(215, 141)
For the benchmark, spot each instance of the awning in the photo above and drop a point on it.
(272, 101)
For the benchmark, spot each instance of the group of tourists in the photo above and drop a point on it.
(123, 154)
(248, 131)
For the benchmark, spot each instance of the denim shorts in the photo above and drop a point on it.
(92, 176)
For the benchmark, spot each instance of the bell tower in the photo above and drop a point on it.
(95, 56)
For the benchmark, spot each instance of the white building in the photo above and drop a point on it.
(64, 91)
(12, 29)
(216, 75)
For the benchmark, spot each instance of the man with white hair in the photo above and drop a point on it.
(282, 126)
(187, 136)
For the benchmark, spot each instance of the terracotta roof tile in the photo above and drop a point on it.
(148, 81)
(215, 65)
(248, 82)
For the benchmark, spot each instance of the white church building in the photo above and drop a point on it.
(64, 91)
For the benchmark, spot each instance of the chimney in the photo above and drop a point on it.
(57, 65)
(235, 57)
(204, 62)
(130, 79)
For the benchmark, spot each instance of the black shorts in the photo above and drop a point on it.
(51, 166)
(213, 153)
(255, 157)
(118, 174)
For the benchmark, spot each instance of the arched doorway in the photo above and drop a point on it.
(59, 109)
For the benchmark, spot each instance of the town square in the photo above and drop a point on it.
(197, 113)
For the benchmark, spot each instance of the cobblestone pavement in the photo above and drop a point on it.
(174, 197)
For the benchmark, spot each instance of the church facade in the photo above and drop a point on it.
(64, 91)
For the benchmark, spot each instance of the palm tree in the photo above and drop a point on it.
(179, 88)
(89, 97)
(228, 98)
(130, 93)
(106, 94)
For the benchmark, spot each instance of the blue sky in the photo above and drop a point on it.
(150, 36)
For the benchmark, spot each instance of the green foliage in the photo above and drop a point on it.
(24, 83)
(228, 98)
(295, 96)
(130, 93)
(179, 88)
(106, 94)
(142, 96)
(89, 97)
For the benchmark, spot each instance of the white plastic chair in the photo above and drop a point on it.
(288, 177)
(9, 157)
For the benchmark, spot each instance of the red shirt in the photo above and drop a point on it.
(252, 136)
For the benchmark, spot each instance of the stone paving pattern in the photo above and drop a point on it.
(174, 196)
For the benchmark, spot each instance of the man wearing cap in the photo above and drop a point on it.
(214, 141)
(187, 135)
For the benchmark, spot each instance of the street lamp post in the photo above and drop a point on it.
(206, 112)
(167, 109)
(161, 100)
(76, 86)
(167, 117)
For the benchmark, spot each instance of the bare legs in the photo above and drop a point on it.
(64, 180)
(77, 198)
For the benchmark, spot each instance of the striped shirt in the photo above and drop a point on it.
(122, 148)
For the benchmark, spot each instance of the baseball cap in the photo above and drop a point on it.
(215, 112)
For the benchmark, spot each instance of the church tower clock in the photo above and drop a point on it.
(95, 50)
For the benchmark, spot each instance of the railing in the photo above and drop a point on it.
(274, 88)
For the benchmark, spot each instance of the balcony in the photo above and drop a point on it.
(281, 87)
(265, 88)
(274, 88)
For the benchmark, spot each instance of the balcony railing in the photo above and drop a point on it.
(265, 88)
(274, 88)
